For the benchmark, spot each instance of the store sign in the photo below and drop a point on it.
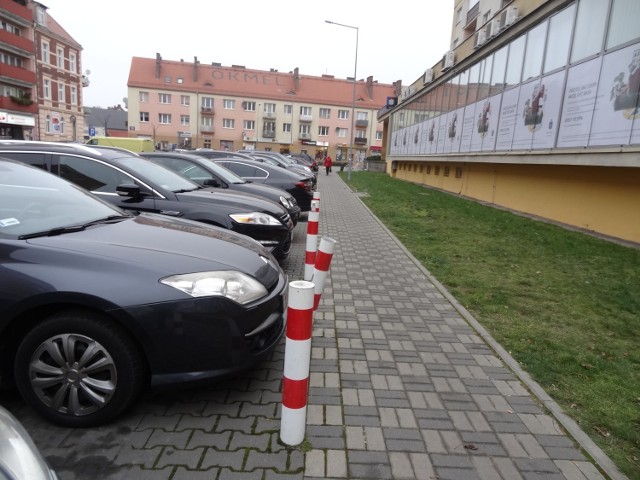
(308, 142)
(6, 117)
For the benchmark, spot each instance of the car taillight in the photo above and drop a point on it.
(305, 185)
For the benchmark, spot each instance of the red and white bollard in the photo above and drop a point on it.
(323, 260)
(297, 357)
(312, 239)
(316, 196)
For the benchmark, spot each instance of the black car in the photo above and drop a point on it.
(301, 187)
(132, 182)
(207, 173)
(98, 304)
(275, 158)
(304, 159)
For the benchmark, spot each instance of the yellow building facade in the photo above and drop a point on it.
(535, 108)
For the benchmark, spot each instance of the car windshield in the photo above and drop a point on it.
(158, 174)
(34, 201)
(224, 173)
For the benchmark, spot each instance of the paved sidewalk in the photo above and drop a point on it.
(401, 387)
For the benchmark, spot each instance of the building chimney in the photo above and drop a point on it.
(397, 87)
(158, 61)
(195, 69)
(296, 79)
(370, 86)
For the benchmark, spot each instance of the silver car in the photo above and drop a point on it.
(19, 457)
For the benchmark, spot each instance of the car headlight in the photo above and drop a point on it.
(256, 218)
(234, 285)
(285, 202)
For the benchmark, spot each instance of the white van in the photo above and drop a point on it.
(132, 144)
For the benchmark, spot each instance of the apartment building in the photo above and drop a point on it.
(40, 76)
(189, 105)
(18, 108)
(534, 108)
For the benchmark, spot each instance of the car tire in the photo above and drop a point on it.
(79, 369)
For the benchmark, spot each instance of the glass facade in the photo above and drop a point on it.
(572, 80)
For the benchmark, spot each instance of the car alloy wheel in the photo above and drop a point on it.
(78, 369)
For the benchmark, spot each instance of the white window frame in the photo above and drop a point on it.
(144, 117)
(343, 114)
(164, 118)
(46, 88)
(46, 53)
(229, 104)
(61, 92)
(164, 98)
(323, 131)
(73, 94)
(228, 123)
(184, 120)
(342, 132)
(60, 57)
(73, 62)
(143, 97)
(324, 112)
(185, 100)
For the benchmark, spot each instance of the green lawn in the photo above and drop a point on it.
(566, 305)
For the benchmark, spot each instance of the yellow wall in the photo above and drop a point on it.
(605, 200)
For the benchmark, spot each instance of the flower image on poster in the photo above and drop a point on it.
(530, 114)
(490, 122)
(617, 99)
(579, 104)
(544, 134)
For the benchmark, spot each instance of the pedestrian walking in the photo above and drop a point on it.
(327, 164)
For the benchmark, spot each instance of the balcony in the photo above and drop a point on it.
(20, 10)
(269, 133)
(22, 43)
(306, 118)
(18, 76)
(7, 103)
(360, 140)
(269, 115)
(207, 111)
(304, 136)
(206, 129)
(362, 123)
(473, 14)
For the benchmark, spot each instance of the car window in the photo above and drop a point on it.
(32, 158)
(91, 174)
(241, 169)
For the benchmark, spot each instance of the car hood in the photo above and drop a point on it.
(259, 189)
(164, 246)
(244, 203)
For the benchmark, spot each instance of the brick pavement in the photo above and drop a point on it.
(404, 384)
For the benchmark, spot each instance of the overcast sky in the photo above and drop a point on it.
(397, 40)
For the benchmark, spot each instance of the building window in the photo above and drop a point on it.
(144, 117)
(589, 29)
(179, 80)
(41, 16)
(164, 98)
(249, 124)
(73, 93)
(206, 102)
(144, 97)
(323, 131)
(343, 114)
(185, 100)
(362, 116)
(73, 62)
(228, 123)
(286, 127)
(60, 57)
(249, 106)
(45, 52)
(229, 104)
(47, 124)
(207, 123)
(437, 170)
(184, 120)
(164, 118)
(269, 108)
(46, 90)
(325, 113)
(623, 25)
(458, 172)
(288, 109)
(167, 79)
(60, 92)
(305, 129)
(446, 171)
(458, 16)
(559, 39)
(534, 52)
(342, 132)
(378, 135)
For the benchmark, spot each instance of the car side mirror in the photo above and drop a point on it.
(212, 182)
(130, 190)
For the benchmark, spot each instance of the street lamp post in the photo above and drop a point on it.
(353, 102)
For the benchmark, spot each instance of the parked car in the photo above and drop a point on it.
(305, 159)
(19, 456)
(207, 173)
(132, 182)
(98, 303)
(300, 186)
(276, 158)
(210, 153)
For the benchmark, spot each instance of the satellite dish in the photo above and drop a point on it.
(87, 72)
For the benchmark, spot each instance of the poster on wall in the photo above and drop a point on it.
(467, 127)
(487, 124)
(530, 114)
(394, 143)
(414, 138)
(452, 138)
(579, 103)
(507, 120)
(442, 133)
(423, 143)
(545, 136)
(432, 135)
(617, 98)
